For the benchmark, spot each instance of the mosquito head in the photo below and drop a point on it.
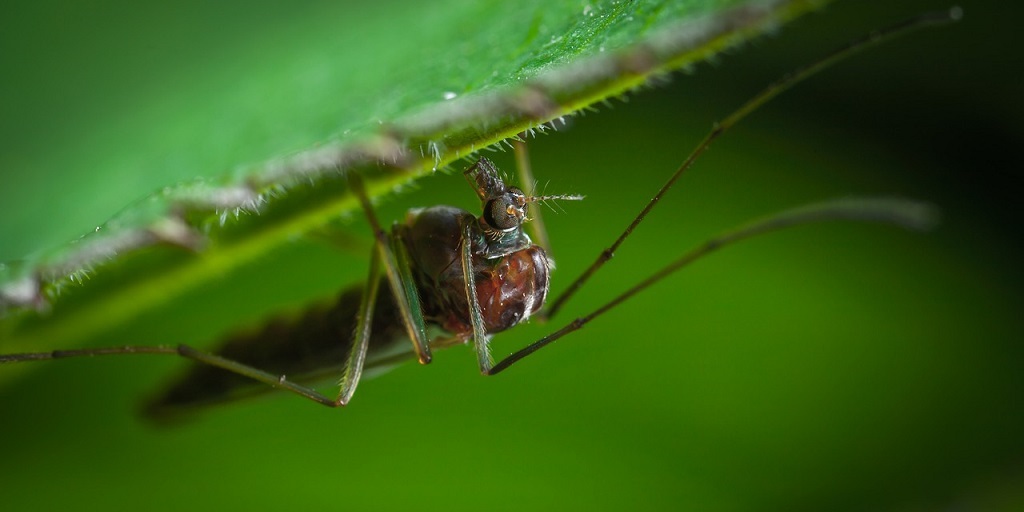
(504, 207)
(506, 211)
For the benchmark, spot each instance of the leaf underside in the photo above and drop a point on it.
(495, 86)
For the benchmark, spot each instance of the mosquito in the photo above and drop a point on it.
(466, 276)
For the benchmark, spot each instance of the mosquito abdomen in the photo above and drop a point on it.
(307, 347)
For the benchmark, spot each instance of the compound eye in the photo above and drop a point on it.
(517, 196)
(504, 213)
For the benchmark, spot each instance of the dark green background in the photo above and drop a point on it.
(832, 367)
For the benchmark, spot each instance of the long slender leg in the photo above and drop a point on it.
(277, 381)
(900, 212)
(481, 341)
(400, 279)
(357, 353)
(350, 377)
(403, 267)
(773, 90)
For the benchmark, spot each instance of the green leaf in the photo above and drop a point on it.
(343, 96)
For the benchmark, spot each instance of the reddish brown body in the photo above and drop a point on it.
(509, 287)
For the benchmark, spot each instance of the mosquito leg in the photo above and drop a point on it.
(277, 381)
(88, 352)
(361, 343)
(481, 341)
(414, 316)
(403, 287)
(536, 225)
(773, 90)
(900, 212)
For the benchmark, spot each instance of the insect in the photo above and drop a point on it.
(471, 276)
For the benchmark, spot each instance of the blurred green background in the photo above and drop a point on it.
(831, 367)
